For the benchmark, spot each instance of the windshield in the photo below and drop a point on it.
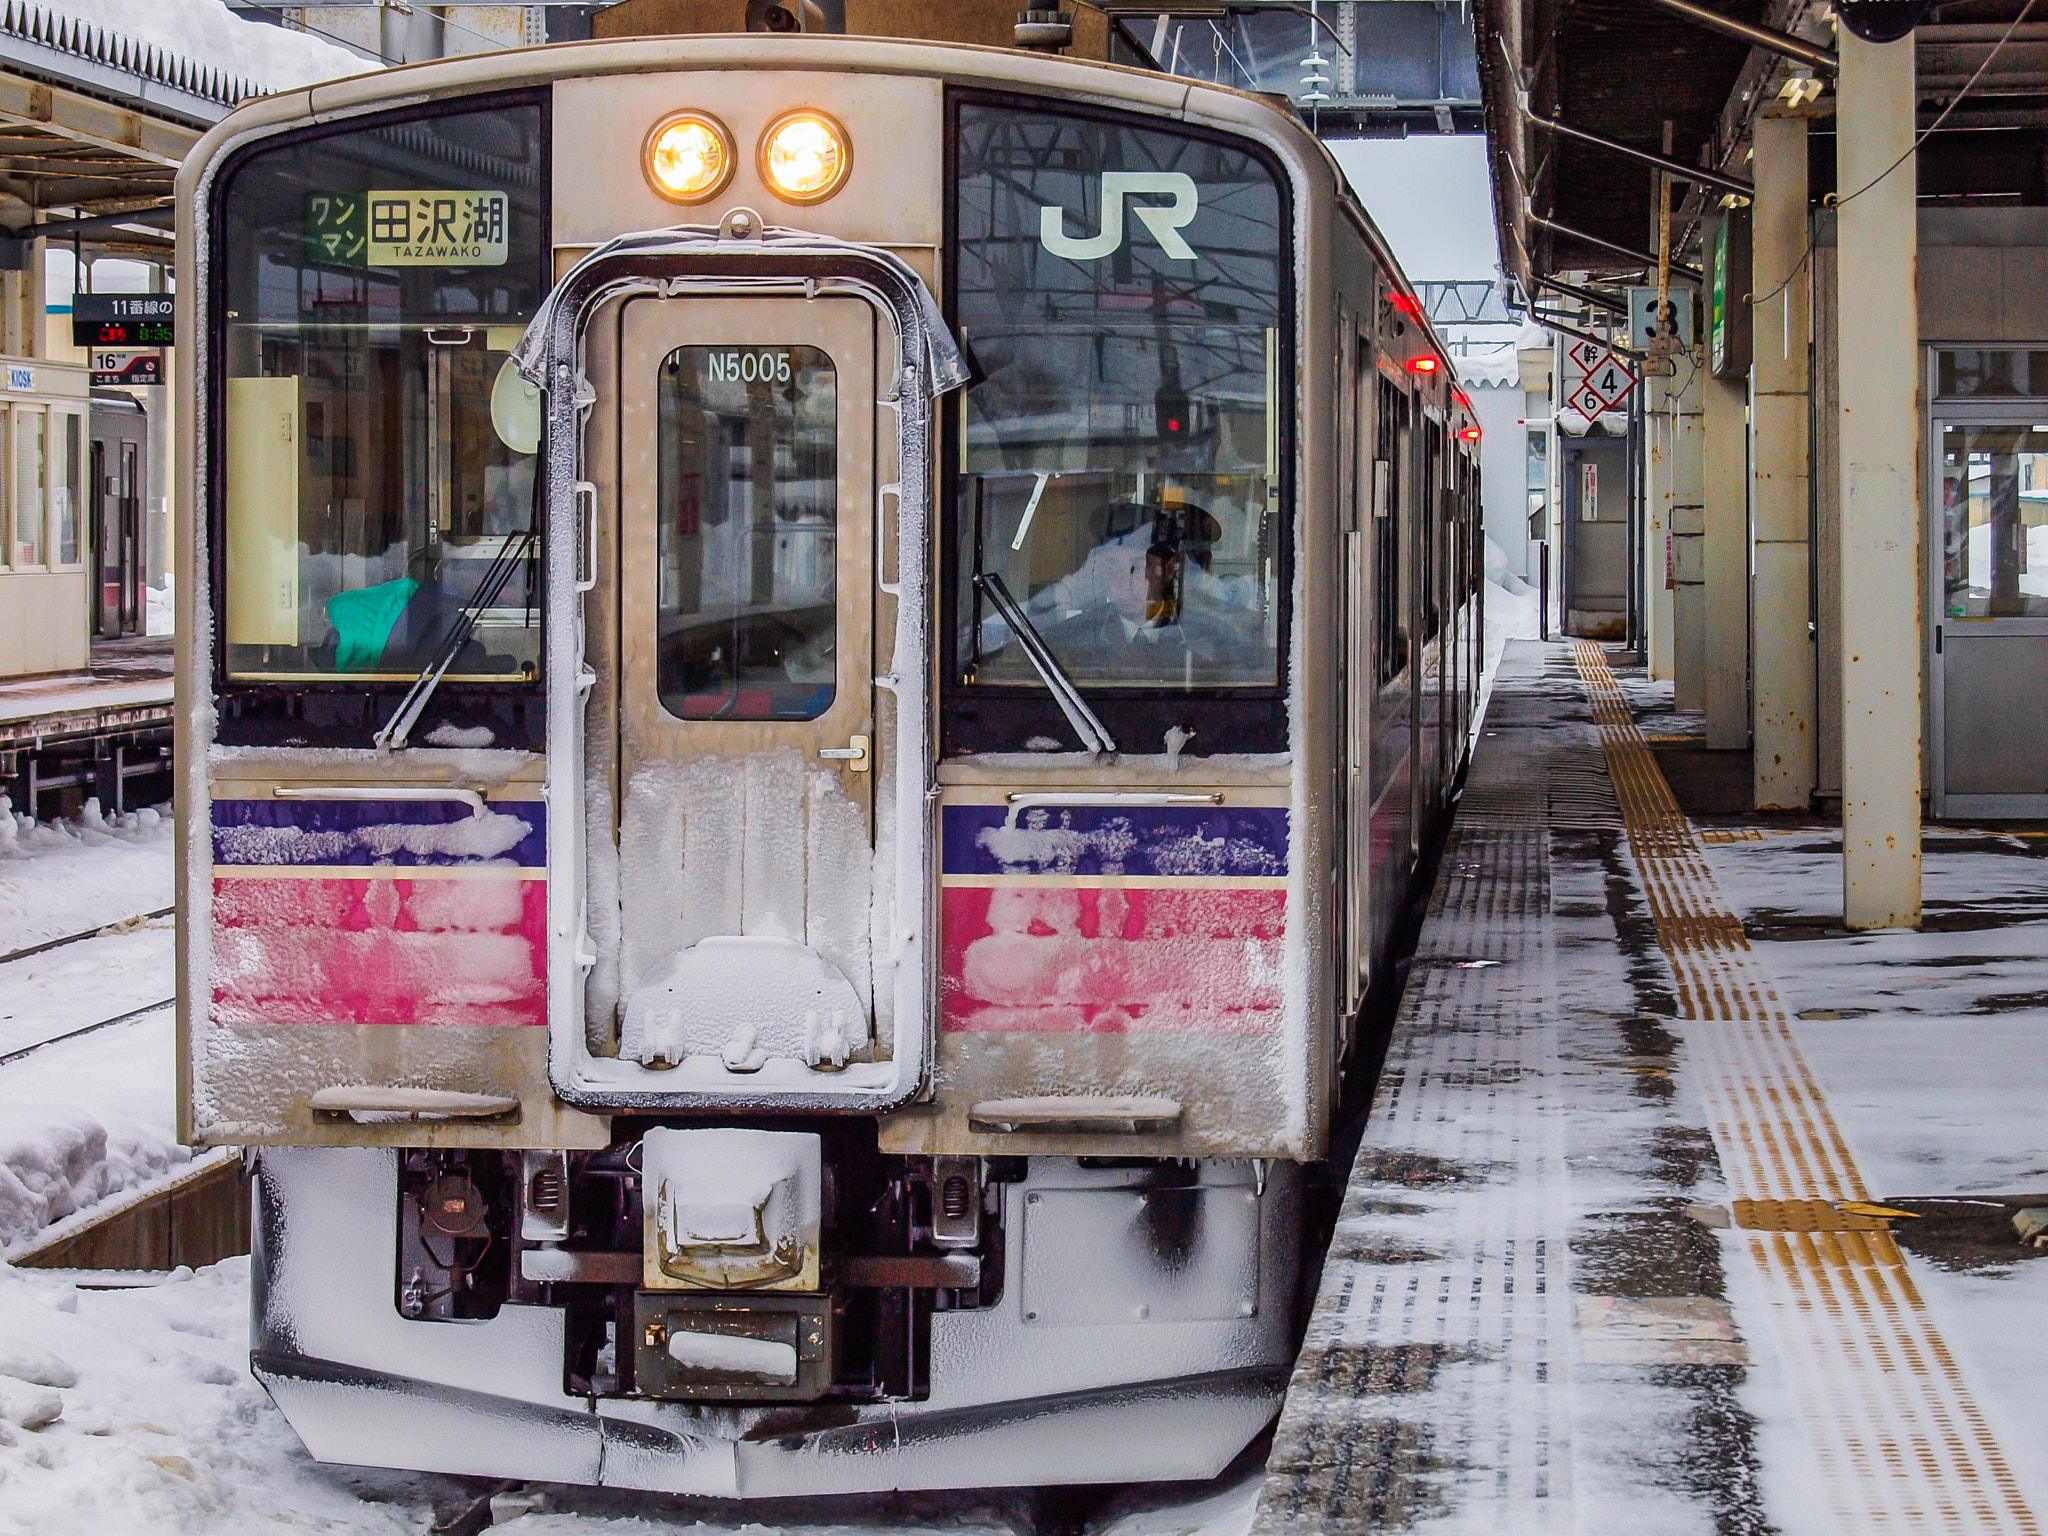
(1119, 291)
(748, 616)
(379, 451)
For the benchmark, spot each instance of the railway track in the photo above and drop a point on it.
(84, 1029)
(78, 938)
(31, 950)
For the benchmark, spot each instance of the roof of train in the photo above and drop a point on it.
(1270, 117)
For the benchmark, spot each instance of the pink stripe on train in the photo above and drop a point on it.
(380, 951)
(1112, 960)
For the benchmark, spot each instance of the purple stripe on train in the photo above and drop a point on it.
(396, 832)
(1101, 840)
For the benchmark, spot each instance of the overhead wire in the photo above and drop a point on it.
(1835, 200)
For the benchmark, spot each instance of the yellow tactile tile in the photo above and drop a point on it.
(1893, 1428)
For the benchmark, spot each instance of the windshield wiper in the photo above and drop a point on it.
(1086, 723)
(500, 570)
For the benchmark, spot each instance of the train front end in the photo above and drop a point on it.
(747, 811)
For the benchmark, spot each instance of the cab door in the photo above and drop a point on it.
(746, 704)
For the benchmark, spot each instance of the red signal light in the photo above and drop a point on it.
(1423, 365)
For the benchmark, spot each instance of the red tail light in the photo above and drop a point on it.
(1423, 365)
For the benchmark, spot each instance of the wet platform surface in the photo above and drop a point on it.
(123, 678)
(1599, 1265)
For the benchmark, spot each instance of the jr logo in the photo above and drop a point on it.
(1164, 223)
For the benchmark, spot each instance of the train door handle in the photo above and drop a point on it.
(854, 754)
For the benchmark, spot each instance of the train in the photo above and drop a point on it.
(812, 671)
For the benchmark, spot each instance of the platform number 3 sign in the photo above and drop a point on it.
(1596, 380)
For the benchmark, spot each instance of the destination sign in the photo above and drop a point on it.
(123, 320)
(464, 228)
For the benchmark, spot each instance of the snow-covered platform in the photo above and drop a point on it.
(1600, 1266)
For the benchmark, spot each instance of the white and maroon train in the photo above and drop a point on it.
(813, 670)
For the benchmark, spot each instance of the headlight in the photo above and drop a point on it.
(805, 156)
(689, 157)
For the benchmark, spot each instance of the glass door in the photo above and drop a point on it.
(1988, 549)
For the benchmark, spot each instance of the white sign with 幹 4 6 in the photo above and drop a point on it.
(1596, 380)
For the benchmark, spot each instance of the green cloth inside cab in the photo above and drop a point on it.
(363, 620)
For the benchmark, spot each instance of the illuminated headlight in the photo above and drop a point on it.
(689, 157)
(805, 156)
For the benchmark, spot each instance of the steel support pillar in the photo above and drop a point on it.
(1782, 732)
(1671, 560)
(1725, 559)
(1688, 540)
(1882, 619)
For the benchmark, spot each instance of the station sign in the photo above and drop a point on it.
(1596, 379)
(113, 370)
(1728, 283)
(123, 320)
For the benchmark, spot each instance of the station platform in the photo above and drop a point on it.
(104, 732)
(1615, 1252)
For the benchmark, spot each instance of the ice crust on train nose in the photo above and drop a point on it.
(746, 999)
(745, 904)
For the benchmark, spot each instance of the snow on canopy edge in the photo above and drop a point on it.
(266, 58)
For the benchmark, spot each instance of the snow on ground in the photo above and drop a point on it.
(61, 878)
(1929, 1047)
(160, 607)
(271, 58)
(86, 1121)
(1929, 1041)
(90, 1119)
(163, 1432)
(162, 1428)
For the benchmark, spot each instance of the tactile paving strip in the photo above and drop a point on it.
(1894, 1431)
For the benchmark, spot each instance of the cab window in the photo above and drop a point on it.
(375, 505)
(1120, 291)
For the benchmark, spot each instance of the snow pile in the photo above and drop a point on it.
(58, 1159)
(160, 607)
(158, 1427)
(269, 58)
(1498, 369)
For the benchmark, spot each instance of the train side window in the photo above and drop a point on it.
(747, 615)
(1390, 636)
(1431, 535)
(66, 488)
(375, 502)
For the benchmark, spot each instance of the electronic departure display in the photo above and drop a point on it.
(122, 320)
